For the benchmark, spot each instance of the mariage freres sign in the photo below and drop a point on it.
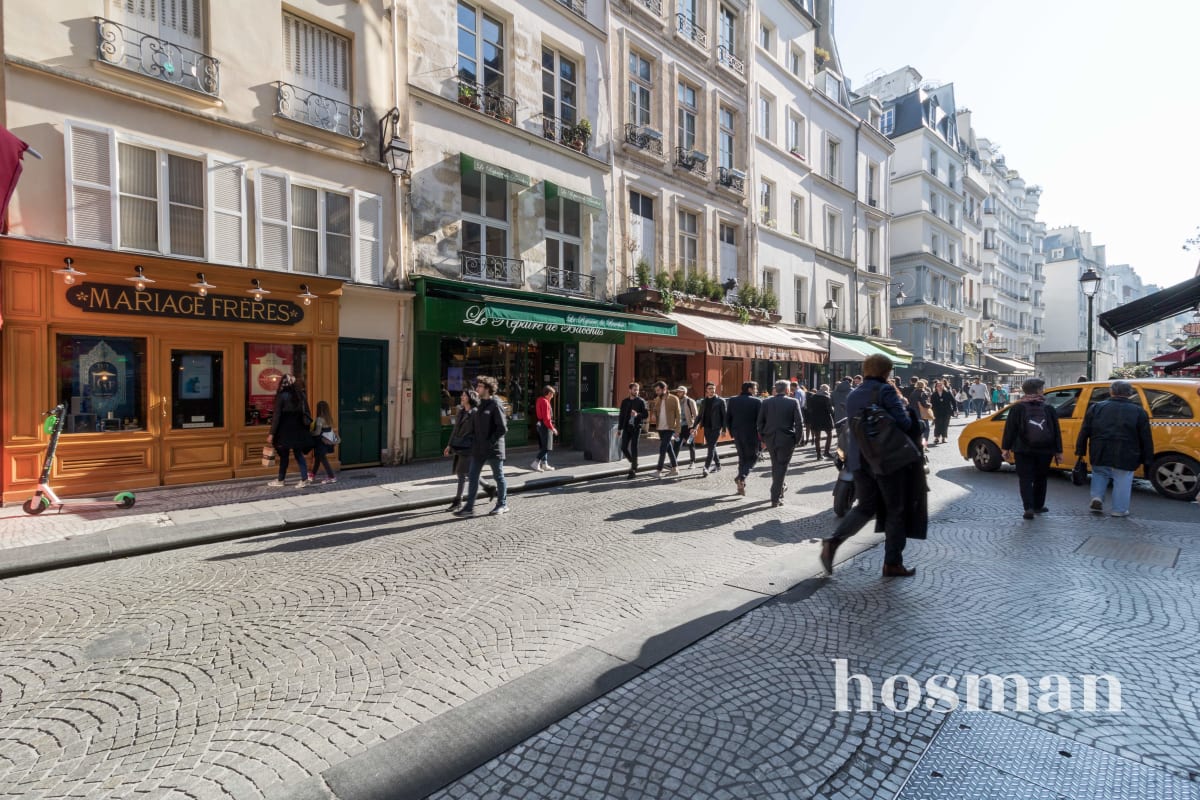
(103, 298)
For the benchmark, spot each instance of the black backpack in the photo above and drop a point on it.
(1037, 429)
(881, 442)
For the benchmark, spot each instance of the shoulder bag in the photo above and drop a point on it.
(882, 443)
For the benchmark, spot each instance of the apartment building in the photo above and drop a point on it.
(209, 214)
(975, 191)
(1070, 252)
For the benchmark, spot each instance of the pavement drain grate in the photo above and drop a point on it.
(982, 754)
(1151, 555)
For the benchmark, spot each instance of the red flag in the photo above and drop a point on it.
(12, 150)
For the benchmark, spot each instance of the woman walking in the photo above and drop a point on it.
(545, 428)
(462, 438)
(944, 407)
(322, 447)
(290, 434)
(921, 399)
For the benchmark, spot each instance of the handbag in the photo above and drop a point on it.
(330, 437)
(1079, 473)
(881, 442)
(927, 413)
(462, 444)
(268, 456)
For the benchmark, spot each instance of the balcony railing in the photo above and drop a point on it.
(692, 31)
(653, 6)
(801, 317)
(643, 137)
(692, 160)
(477, 97)
(578, 6)
(568, 134)
(568, 282)
(310, 108)
(141, 53)
(732, 179)
(491, 269)
(726, 57)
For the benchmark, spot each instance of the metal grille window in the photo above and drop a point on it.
(725, 138)
(687, 116)
(640, 87)
(689, 241)
(559, 84)
(178, 21)
(315, 58)
(480, 48)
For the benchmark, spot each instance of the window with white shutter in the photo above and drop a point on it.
(227, 213)
(178, 21)
(367, 236)
(274, 221)
(318, 231)
(316, 58)
(90, 197)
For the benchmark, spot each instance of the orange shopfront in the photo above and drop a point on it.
(171, 382)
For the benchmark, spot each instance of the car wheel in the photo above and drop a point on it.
(985, 455)
(1175, 476)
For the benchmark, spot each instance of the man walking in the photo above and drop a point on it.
(820, 419)
(781, 427)
(742, 421)
(840, 393)
(664, 410)
(487, 448)
(688, 414)
(980, 394)
(712, 422)
(1032, 436)
(1116, 436)
(629, 425)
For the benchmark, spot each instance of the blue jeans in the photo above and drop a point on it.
(666, 448)
(497, 465)
(1122, 483)
(980, 405)
(300, 460)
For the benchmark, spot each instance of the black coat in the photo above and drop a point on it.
(779, 421)
(633, 413)
(291, 420)
(915, 510)
(741, 417)
(820, 411)
(463, 425)
(1014, 430)
(712, 414)
(943, 404)
(1119, 434)
(490, 427)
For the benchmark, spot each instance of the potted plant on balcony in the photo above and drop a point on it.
(642, 273)
(468, 96)
(693, 284)
(821, 55)
(580, 135)
(662, 281)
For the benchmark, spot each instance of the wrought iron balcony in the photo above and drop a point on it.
(122, 46)
(477, 97)
(732, 179)
(491, 269)
(578, 6)
(692, 31)
(643, 137)
(653, 6)
(319, 111)
(567, 134)
(725, 56)
(569, 282)
(692, 160)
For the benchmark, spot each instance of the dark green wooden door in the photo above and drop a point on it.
(362, 399)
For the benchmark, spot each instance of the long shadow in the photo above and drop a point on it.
(772, 532)
(665, 510)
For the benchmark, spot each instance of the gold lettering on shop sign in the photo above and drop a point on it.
(111, 299)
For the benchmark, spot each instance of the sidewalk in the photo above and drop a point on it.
(165, 518)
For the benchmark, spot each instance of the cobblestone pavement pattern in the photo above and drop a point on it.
(749, 711)
(230, 670)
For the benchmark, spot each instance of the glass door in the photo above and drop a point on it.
(194, 413)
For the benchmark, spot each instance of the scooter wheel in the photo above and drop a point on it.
(35, 505)
(125, 499)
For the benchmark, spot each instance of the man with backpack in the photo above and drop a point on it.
(1032, 437)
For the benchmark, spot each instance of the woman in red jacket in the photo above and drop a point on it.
(545, 429)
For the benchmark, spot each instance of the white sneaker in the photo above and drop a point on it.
(536, 466)
(275, 484)
(498, 510)
(546, 467)
(1120, 513)
(673, 472)
(304, 484)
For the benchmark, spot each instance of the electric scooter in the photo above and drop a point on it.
(843, 487)
(44, 497)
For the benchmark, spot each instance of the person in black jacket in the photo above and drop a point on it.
(629, 425)
(487, 447)
(290, 433)
(741, 418)
(1116, 434)
(944, 407)
(820, 419)
(712, 422)
(1032, 436)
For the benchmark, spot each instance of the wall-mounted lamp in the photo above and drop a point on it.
(258, 291)
(306, 295)
(69, 273)
(201, 285)
(393, 151)
(139, 279)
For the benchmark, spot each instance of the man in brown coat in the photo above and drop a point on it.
(664, 413)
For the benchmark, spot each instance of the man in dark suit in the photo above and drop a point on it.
(712, 422)
(629, 425)
(781, 426)
(741, 419)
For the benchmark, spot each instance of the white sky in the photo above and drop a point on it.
(1096, 102)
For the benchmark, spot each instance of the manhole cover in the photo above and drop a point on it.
(1152, 555)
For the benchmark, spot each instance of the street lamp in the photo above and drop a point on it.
(831, 310)
(1137, 340)
(979, 354)
(1090, 282)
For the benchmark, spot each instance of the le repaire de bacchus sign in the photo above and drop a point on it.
(101, 298)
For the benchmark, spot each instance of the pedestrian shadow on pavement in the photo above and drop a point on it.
(664, 510)
(774, 532)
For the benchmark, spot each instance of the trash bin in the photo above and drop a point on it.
(598, 434)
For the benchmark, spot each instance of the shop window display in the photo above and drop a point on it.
(463, 360)
(651, 367)
(265, 365)
(102, 383)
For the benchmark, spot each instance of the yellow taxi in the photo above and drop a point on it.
(1174, 408)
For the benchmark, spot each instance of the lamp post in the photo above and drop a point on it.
(979, 354)
(831, 310)
(1090, 282)
(1137, 341)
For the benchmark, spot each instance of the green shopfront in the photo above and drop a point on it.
(525, 340)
